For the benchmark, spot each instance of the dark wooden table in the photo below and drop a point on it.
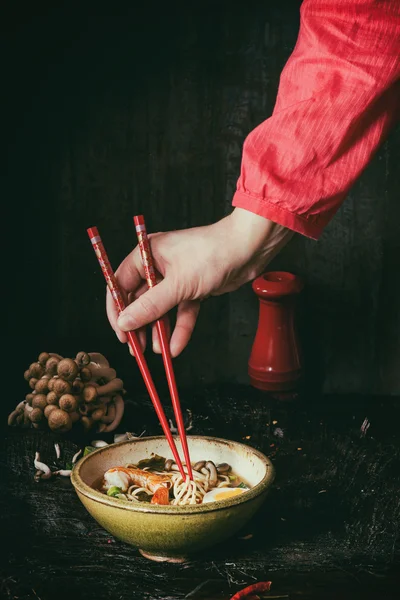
(328, 530)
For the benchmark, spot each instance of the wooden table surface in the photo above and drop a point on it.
(329, 528)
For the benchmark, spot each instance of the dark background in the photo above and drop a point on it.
(145, 110)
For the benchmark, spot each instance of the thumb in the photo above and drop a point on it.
(149, 307)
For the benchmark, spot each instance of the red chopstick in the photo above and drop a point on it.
(133, 341)
(151, 279)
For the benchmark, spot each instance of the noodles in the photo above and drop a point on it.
(159, 481)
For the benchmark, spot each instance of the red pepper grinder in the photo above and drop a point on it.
(275, 361)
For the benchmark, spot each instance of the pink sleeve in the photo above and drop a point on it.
(338, 96)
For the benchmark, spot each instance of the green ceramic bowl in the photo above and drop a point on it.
(173, 533)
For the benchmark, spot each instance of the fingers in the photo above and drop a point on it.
(130, 277)
(185, 321)
(149, 307)
(130, 273)
(113, 314)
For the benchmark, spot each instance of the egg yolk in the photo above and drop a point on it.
(228, 494)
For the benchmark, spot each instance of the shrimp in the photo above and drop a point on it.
(124, 477)
(161, 496)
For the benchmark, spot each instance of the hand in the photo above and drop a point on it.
(193, 264)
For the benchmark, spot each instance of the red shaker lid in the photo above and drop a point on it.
(275, 284)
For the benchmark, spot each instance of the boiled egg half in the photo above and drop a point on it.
(222, 494)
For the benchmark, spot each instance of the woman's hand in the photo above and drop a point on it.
(193, 264)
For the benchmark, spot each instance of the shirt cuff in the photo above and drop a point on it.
(311, 227)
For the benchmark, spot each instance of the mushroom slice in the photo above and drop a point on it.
(210, 466)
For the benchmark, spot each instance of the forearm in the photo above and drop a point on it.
(338, 97)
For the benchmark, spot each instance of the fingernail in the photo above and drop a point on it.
(156, 347)
(126, 323)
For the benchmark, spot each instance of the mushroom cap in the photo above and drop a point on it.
(59, 420)
(68, 402)
(199, 465)
(51, 365)
(61, 387)
(43, 358)
(27, 375)
(82, 359)
(32, 382)
(74, 416)
(89, 393)
(36, 415)
(49, 408)
(39, 401)
(67, 369)
(29, 397)
(77, 386)
(85, 374)
(36, 370)
(52, 398)
(51, 382)
(42, 385)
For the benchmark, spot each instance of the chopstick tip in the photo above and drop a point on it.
(92, 232)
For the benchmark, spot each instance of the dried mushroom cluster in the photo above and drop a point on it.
(66, 390)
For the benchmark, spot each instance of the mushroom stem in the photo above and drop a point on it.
(102, 372)
(92, 391)
(98, 443)
(27, 410)
(121, 437)
(75, 456)
(40, 466)
(119, 411)
(87, 422)
(98, 358)
(199, 465)
(168, 464)
(115, 385)
(210, 466)
(105, 399)
(12, 417)
(110, 416)
(98, 413)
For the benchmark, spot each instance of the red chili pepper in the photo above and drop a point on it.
(251, 590)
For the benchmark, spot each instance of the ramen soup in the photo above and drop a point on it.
(157, 480)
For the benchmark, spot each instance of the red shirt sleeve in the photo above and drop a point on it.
(338, 96)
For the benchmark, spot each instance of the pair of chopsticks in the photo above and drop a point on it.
(134, 344)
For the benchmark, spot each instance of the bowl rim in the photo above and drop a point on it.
(82, 488)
